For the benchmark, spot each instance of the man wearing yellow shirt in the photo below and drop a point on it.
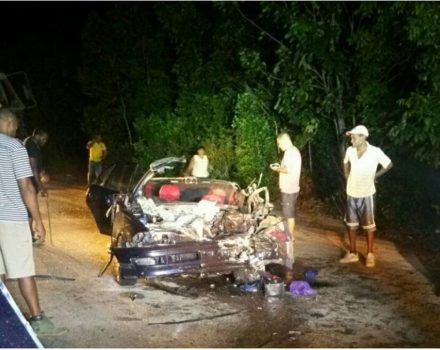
(97, 153)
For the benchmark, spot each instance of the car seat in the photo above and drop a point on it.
(217, 195)
(169, 193)
(148, 190)
(232, 197)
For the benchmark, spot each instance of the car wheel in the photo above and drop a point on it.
(125, 281)
(122, 279)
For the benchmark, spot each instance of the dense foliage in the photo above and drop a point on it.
(165, 78)
(160, 79)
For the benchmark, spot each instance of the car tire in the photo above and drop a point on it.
(124, 280)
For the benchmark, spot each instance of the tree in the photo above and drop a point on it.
(167, 77)
(255, 139)
(124, 73)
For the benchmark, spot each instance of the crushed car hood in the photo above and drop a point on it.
(221, 223)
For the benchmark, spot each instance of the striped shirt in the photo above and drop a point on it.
(14, 165)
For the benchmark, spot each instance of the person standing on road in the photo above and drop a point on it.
(17, 194)
(33, 145)
(97, 153)
(198, 166)
(289, 176)
(360, 168)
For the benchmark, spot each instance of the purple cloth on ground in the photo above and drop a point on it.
(310, 276)
(301, 288)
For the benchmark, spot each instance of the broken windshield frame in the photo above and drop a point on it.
(158, 167)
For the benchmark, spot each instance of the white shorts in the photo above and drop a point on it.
(16, 254)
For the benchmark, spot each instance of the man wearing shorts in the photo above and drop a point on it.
(16, 194)
(360, 169)
(290, 172)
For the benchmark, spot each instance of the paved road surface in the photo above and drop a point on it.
(392, 305)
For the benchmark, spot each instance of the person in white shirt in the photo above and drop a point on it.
(198, 167)
(290, 172)
(361, 171)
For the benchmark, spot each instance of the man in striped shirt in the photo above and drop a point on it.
(16, 194)
(360, 168)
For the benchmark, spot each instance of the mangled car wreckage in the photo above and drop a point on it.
(183, 225)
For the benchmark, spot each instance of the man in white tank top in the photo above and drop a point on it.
(198, 166)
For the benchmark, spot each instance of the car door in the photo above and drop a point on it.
(118, 178)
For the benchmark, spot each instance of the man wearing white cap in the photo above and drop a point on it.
(360, 169)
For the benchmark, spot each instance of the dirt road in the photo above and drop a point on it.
(392, 305)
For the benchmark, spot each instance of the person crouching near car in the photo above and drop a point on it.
(289, 175)
(360, 169)
(17, 194)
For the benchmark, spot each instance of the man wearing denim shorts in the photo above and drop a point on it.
(360, 169)
(16, 194)
(290, 172)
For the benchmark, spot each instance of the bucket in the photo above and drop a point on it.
(274, 289)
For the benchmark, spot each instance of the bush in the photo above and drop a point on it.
(255, 141)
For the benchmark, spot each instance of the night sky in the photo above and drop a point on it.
(46, 21)
(36, 35)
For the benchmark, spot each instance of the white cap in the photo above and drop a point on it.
(358, 130)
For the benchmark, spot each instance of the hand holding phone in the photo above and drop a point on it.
(274, 166)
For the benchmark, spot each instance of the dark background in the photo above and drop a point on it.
(44, 40)
(200, 51)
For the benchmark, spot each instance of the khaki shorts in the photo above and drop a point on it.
(16, 255)
(288, 204)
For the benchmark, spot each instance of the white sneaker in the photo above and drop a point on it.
(371, 260)
(349, 258)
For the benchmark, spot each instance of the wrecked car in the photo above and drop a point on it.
(171, 225)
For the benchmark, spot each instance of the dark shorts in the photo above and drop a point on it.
(360, 211)
(288, 204)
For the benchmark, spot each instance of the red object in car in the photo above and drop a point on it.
(280, 235)
(216, 195)
(169, 193)
(148, 190)
(232, 198)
